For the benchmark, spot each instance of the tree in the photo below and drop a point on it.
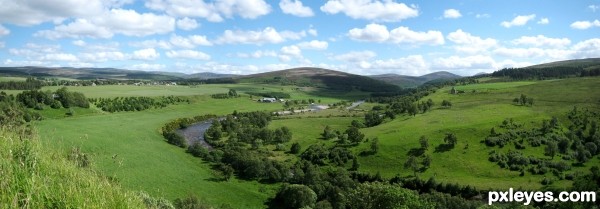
(563, 145)
(523, 99)
(375, 145)
(296, 196)
(551, 149)
(355, 164)
(377, 195)
(295, 149)
(372, 118)
(530, 101)
(446, 103)
(412, 164)
(450, 139)
(413, 110)
(328, 133)
(227, 171)
(426, 161)
(354, 135)
(424, 142)
(493, 132)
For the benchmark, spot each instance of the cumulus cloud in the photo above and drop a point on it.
(468, 43)
(189, 42)
(60, 57)
(542, 41)
(475, 62)
(4, 31)
(212, 11)
(452, 14)
(295, 8)
(126, 22)
(582, 25)
(188, 54)
(268, 35)
(314, 45)
(103, 56)
(544, 21)
(379, 33)
(518, 21)
(187, 24)
(355, 56)
(485, 15)
(257, 54)
(410, 65)
(375, 10)
(151, 44)
(289, 52)
(145, 54)
(33, 12)
(147, 67)
(586, 49)
(594, 8)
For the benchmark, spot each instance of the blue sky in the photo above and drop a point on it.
(250, 36)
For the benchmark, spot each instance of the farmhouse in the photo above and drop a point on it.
(268, 100)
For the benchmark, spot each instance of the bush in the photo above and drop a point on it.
(175, 139)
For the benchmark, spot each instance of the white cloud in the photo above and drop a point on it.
(4, 31)
(146, 54)
(372, 32)
(405, 35)
(151, 44)
(314, 45)
(268, 35)
(594, 8)
(476, 62)
(79, 43)
(148, 67)
(452, 14)
(33, 12)
(582, 25)
(2, 44)
(520, 52)
(518, 21)
(188, 54)
(295, 7)
(103, 56)
(189, 42)
(60, 57)
(212, 11)
(468, 43)
(187, 24)
(544, 21)
(483, 16)
(289, 52)
(312, 31)
(379, 33)
(115, 21)
(410, 65)
(542, 41)
(375, 10)
(355, 56)
(586, 49)
(257, 54)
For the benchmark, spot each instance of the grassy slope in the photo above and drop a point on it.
(471, 118)
(143, 160)
(34, 176)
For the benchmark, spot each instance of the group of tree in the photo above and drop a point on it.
(14, 114)
(574, 145)
(57, 99)
(30, 83)
(124, 104)
(523, 100)
(231, 94)
(541, 73)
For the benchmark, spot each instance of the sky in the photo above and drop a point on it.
(366, 37)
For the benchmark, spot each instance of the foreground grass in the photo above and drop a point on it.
(37, 177)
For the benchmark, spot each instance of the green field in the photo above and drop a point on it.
(128, 146)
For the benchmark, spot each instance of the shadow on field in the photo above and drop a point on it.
(415, 152)
(443, 148)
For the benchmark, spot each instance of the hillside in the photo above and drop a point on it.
(585, 63)
(319, 77)
(413, 81)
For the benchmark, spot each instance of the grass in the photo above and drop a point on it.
(13, 78)
(128, 147)
(471, 117)
(34, 176)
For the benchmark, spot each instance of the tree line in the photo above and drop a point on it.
(29, 84)
(120, 104)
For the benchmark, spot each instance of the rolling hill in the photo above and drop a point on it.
(413, 81)
(319, 77)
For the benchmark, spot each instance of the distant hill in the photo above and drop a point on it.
(585, 63)
(319, 77)
(102, 73)
(413, 81)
